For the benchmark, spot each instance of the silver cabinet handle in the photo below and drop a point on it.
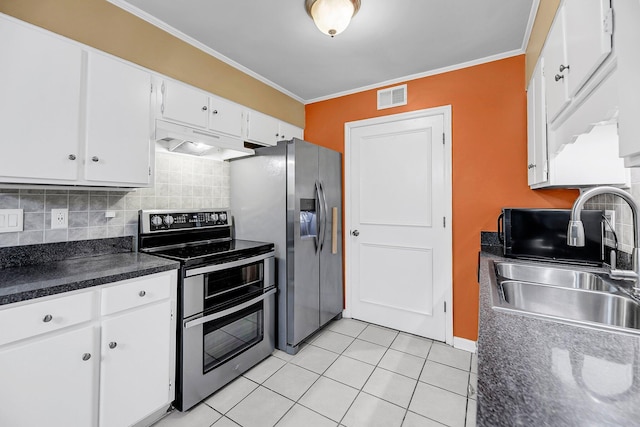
(142, 293)
(559, 77)
(47, 318)
(531, 166)
(72, 156)
(113, 344)
(214, 112)
(355, 233)
(86, 356)
(204, 108)
(95, 159)
(563, 67)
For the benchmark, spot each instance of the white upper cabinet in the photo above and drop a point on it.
(537, 164)
(262, 129)
(71, 116)
(225, 116)
(118, 145)
(184, 104)
(40, 87)
(575, 142)
(191, 106)
(555, 57)
(589, 26)
(288, 131)
(267, 130)
(578, 43)
(627, 41)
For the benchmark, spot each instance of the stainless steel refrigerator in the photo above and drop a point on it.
(291, 194)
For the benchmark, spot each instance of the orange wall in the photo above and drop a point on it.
(489, 134)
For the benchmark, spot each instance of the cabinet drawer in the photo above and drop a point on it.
(46, 316)
(135, 293)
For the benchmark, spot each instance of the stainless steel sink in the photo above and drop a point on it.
(564, 294)
(574, 304)
(563, 277)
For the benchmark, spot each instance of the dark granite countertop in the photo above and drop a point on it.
(20, 283)
(534, 372)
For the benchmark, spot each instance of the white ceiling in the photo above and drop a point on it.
(387, 41)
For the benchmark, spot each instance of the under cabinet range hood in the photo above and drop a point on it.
(177, 138)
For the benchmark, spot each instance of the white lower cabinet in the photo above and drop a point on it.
(134, 373)
(50, 381)
(112, 368)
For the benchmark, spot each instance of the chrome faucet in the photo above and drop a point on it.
(575, 232)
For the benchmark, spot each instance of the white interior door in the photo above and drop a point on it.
(399, 210)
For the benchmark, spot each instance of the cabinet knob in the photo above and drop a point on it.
(95, 159)
(355, 233)
(559, 77)
(47, 318)
(531, 166)
(72, 156)
(214, 112)
(563, 67)
(204, 108)
(113, 344)
(86, 356)
(142, 293)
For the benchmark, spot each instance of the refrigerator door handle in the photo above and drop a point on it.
(323, 219)
(319, 223)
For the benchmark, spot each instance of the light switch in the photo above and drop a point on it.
(11, 220)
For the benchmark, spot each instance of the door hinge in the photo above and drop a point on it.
(151, 87)
(607, 22)
(149, 170)
(445, 306)
(444, 222)
(443, 139)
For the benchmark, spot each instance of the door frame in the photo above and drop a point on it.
(444, 111)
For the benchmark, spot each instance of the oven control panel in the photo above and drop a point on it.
(164, 220)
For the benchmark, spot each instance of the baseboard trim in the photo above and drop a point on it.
(465, 344)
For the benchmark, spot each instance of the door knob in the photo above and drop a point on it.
(355, 233)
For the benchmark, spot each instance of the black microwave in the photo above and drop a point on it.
(542, 234)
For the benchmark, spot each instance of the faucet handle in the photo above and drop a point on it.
(623, 274)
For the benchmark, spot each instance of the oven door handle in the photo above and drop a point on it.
(226, 265)
(224, 313)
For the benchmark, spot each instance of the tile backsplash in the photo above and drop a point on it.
(624, 218)
(180, 182)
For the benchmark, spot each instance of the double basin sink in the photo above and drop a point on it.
(565, 294)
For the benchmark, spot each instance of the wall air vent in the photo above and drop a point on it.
(392, 97)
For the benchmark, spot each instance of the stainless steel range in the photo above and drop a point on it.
(226, 297)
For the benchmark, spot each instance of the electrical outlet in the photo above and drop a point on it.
(59, 218)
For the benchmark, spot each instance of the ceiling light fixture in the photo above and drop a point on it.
(332, 16)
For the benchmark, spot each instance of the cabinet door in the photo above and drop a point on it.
(588, 30)
(134, 377)
(263, 129)
(225, 116)
(288, 131)
(627, 40)
(118, 133)
(536, 128)
(39, 104)
(184, 104)
(555, 58)
(47, 382)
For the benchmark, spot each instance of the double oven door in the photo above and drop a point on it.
(228, 315)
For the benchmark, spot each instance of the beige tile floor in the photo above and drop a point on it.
(350, 374)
